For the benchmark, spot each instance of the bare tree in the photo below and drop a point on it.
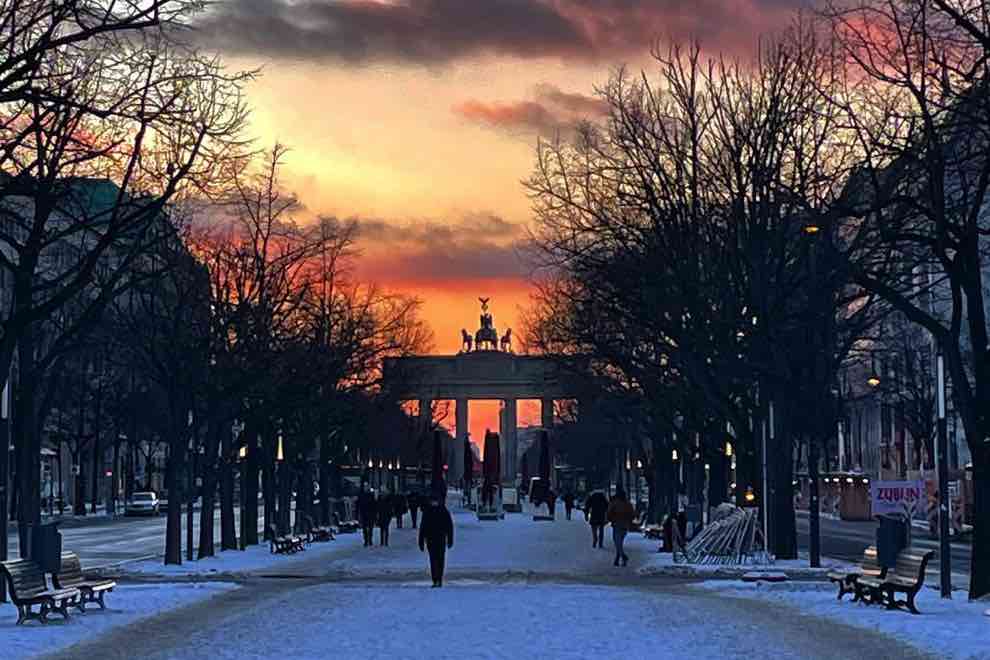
(917, 97)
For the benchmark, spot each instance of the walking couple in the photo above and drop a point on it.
(619, 512)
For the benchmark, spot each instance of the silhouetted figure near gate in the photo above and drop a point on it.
(595, 508)
(385, 512)
(367, 515)
(568, 504)
(399, 507)
(436, 535)
(414, 502)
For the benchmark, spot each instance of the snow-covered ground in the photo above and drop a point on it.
(663, 564)
(127, 604)
(239, 562)
(515, 588)
(953, 628)
(476, 620)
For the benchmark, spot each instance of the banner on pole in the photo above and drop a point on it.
(896, 497)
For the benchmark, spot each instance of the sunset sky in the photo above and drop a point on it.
(419, 119)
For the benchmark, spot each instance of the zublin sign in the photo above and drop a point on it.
(898, 497)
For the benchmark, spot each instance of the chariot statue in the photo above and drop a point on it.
(486, 339)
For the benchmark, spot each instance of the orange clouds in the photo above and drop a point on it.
(552, 112)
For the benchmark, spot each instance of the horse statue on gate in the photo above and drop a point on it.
(466, 341)
(507, 341)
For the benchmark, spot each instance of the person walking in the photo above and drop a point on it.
(568, 503)
(384, 508)
(399, 506)
(436, 535)
(595, 508)
(366, 511)
(413, 500)
(621, 514)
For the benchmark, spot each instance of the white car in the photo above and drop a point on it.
(143, 504)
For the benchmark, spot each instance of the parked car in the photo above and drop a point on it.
(143, 504)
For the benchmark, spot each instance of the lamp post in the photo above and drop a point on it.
(190, 489)
(4, 478)
(765, 504)
(941, 461)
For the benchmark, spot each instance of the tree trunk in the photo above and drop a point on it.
(268, 493)
(979, 584)
(784, 528)
(324, 517)
(95, 486)
(27, 447)
(249, 490)
(207, 512)
(284, 495)
(173, 525)
(718, 486)
(228, 530)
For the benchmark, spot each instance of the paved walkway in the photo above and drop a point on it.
(515, 589)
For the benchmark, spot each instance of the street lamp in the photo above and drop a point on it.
(942, 464)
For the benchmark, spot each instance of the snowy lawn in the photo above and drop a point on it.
(234, 562)
(953, 628)
(127, 604)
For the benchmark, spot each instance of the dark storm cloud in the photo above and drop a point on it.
(438, 31)
(478, 246)
(411, 30)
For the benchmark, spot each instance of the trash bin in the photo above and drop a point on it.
(892, 537)
(46, 547)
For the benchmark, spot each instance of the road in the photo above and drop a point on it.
(846, 539)
(104, 541)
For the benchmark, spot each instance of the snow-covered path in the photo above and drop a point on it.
(515, 589)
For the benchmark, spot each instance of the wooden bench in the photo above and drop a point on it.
(869, 567)
(908, 578)
(29, 588)
(316, 532)
(281, 545)
(70, 576)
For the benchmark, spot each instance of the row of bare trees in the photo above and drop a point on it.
(158, 285)
(734, 232)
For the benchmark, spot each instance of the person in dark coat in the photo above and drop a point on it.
(595, 508)
(384, 507)
(367, 515)
(413, 500)
(568, 504)
(399, 507)
(436, 535)
(621, 514)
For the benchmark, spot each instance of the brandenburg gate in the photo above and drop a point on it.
(485, 368)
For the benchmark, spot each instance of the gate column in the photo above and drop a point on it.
(546, 414)
(461, 433)
(508, 425)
